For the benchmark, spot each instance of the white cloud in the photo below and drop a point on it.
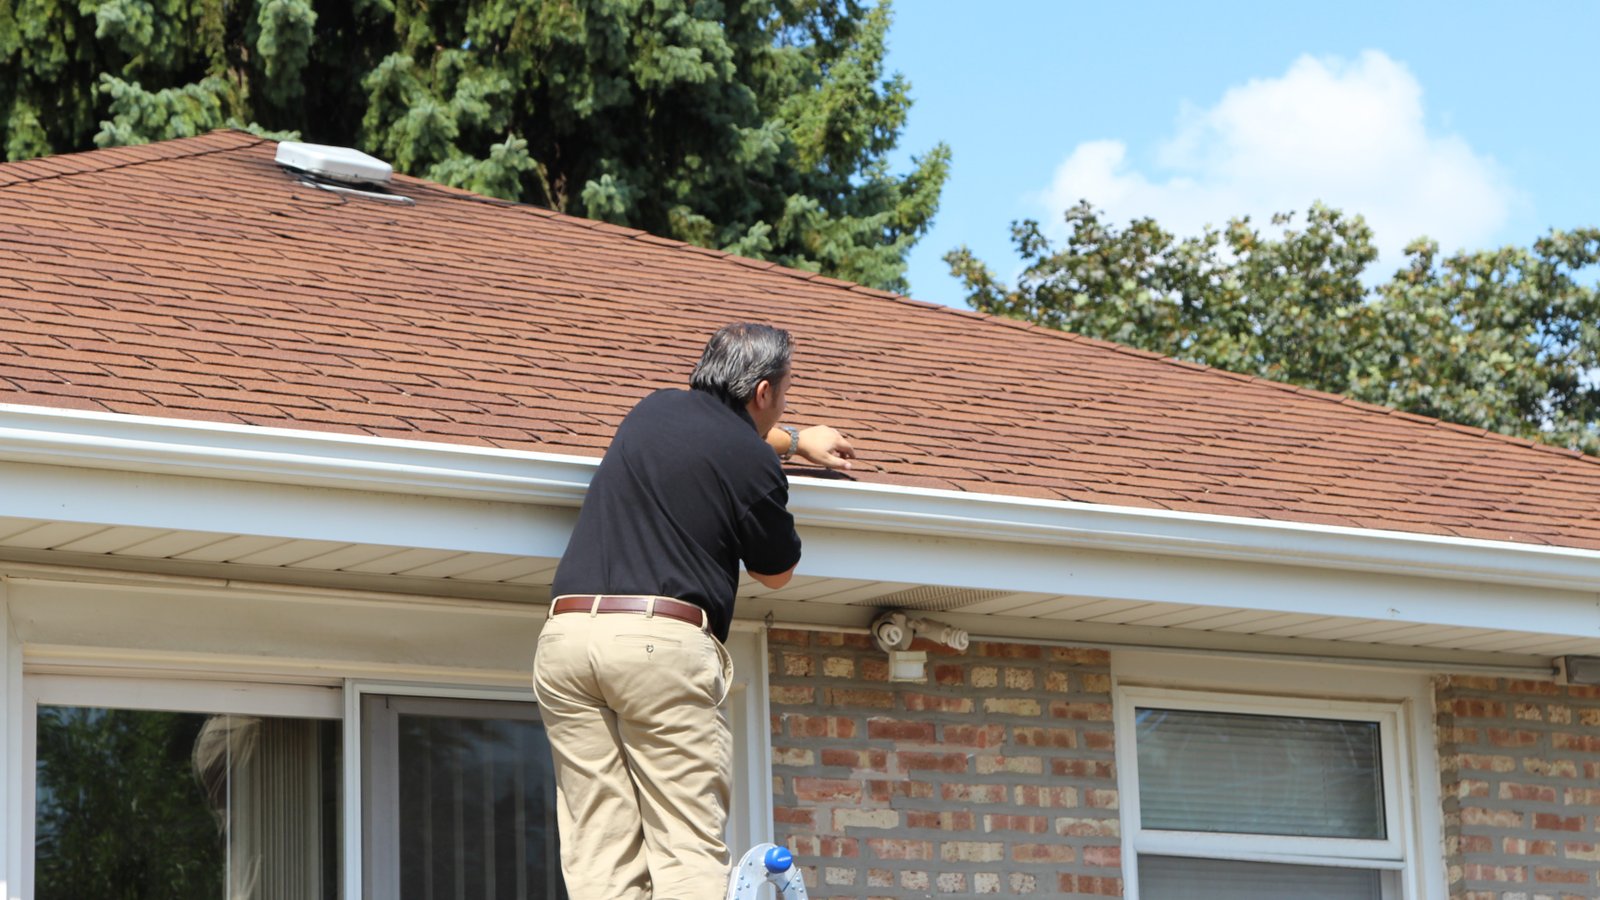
(1351, 134)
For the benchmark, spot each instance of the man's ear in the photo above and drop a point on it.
(763, 393)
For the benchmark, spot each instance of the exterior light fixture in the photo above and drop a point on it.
(1578, 670)
(894, 631)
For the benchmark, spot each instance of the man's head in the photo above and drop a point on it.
(747, 364)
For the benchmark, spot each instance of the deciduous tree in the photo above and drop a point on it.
(1507, 339)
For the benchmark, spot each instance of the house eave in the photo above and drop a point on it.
(419, 468)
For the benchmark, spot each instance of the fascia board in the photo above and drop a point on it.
(1166, 532)
(286, 456)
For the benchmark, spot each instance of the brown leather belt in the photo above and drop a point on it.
(667, 607)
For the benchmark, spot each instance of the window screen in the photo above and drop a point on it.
(1254, 774)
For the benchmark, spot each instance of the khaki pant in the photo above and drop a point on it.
(643, 755)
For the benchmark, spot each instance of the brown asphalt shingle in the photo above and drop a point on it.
(195, 279)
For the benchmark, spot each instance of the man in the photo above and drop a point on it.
(630, 671)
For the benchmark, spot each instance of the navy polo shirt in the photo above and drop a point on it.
(686, 493)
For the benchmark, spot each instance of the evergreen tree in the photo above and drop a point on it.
(762, 127)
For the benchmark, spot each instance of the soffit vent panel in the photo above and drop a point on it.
(932, 599)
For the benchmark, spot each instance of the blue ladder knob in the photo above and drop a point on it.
(779, 859)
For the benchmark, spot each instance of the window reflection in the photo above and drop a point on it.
(135, 803)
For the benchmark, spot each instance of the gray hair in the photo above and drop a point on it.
(739, 357)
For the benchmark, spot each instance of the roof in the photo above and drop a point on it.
(195, 279)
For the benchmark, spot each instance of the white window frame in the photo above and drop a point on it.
(15, 856)
(353, 794)
(164, 694)
(1399, 703)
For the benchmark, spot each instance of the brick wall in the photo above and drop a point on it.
(996, 777)
(1520, 763)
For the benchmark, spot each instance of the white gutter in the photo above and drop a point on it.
(286, 456)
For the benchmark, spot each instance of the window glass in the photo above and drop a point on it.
(184, 806)
(1177, 878)
(459, 801)
(477, 810)
(1254, 774)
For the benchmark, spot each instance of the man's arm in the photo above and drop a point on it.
(818, 445)
(773, 581)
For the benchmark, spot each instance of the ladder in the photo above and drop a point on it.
(766, 864)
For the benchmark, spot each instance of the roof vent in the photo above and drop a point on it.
(341, 165)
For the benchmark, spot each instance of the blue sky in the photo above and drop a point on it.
(1477, 124)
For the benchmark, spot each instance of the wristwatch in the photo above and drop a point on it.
(794, 442)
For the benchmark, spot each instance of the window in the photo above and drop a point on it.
(183, 791)
(459, 800)
(1237, 796)
(197, 788)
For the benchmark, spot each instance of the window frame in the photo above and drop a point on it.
(1396, 854)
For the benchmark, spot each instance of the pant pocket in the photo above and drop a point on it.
(726, 661)
(547, 643)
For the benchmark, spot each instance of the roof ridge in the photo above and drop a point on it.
(66, 165)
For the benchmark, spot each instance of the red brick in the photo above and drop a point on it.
(933, 703)
(1109, 857)
(978, 736)
(1537, 793)
(1091, 712)
(1477, 708)
(900, 730)
(986, 794)
(1024, 824)
(948, 820)
(819, 790)
(1099, 740)
(1006, 651)
(871, 760)
(819, 726)
(899, 849)
(912, 760)
(1522, 847)
(1097, 769)
(1494, 818)
(885, 791)
(1045, 853)
(1553, 822)
(1504, 737)
(1502, 874)
(1089, 884)
(788, 815)
(1060, 738)
(1552, 875)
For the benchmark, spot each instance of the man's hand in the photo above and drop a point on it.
(826, 447)
(818, 445)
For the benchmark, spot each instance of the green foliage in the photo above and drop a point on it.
(758, 126)
(122, 815)
(1505, 339)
